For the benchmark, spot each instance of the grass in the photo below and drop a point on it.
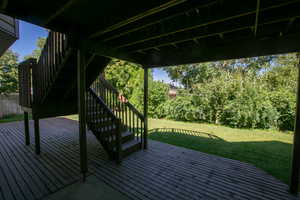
(12, 118)
(269, 150)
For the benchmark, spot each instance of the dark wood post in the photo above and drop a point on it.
(81, 78)
(26, 127)
(294, 179)
(145, 108)
(37, 136)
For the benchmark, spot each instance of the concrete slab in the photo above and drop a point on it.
(92, 189)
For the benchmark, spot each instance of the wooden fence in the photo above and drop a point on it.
(9, 105)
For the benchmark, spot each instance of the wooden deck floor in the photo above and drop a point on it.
(162, 172)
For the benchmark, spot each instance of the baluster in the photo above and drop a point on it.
(142, 131)
(126, 120)
(60, 47)
(107, 95)
(130, 120)
(114, 103)
(54, 56)
(51, 59)
(133, 125)
(137, 132)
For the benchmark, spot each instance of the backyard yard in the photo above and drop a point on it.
(269, 150)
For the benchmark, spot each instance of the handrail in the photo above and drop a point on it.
(95, 108)
(49, 64)
(107, 84)
(104, 106)
(25, 86)
(131, 119)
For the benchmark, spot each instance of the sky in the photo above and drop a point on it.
(29, 34)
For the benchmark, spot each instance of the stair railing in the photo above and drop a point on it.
(131, 119)
(97, 109)
(49, 64)
(25, 84)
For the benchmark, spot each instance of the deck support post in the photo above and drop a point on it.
(37, 138)
(81, 81)
(145, 108)
(295, 168)
(26, 127)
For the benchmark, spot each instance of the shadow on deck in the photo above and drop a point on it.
(162, 172)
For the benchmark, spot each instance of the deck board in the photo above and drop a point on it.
(161, 172)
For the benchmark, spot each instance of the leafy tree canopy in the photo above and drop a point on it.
(39, 47)
(8, 72)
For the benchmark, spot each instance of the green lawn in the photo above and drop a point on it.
(12, 118)
(267, 149)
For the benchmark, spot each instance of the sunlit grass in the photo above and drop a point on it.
(12, 118)
(269, 150)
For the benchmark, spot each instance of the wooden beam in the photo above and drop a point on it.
(175, 27)
(59, 12)
(161, 17)
(221, 51)
(145, 144)
(138, 17)
(81, 81)
(3, 4)
(210, 31)
(26, 127)
(295, 169)
(256, 17)
(98, 48)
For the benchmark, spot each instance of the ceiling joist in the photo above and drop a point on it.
(195, 24)
(210, 52)
(138, 17)
(256, 17)
(59, 12)
(3, 4)
(180, 10)
(210, 35)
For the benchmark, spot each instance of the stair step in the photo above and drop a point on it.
(130, 144)
(102, 121)
(102, 128)
(126, 136)
(130, 147)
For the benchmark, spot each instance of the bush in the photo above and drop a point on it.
(180, 108)
(285, 104)
(158, 94)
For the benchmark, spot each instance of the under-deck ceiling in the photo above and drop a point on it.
(169, 32)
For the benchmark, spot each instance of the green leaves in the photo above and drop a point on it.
(39, 47)
(255, 92)
(8, 72)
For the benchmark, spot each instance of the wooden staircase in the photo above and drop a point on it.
(116, 124)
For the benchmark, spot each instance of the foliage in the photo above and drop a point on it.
(124, 76)
(246, 93)
(13, 118)
(157, 95)
(257, 92)
(8, 72)
(128, 78)
(39, 47)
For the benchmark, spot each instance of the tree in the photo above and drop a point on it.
(191, 74)
(39, 47)
(124, 76)
(8, 72)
